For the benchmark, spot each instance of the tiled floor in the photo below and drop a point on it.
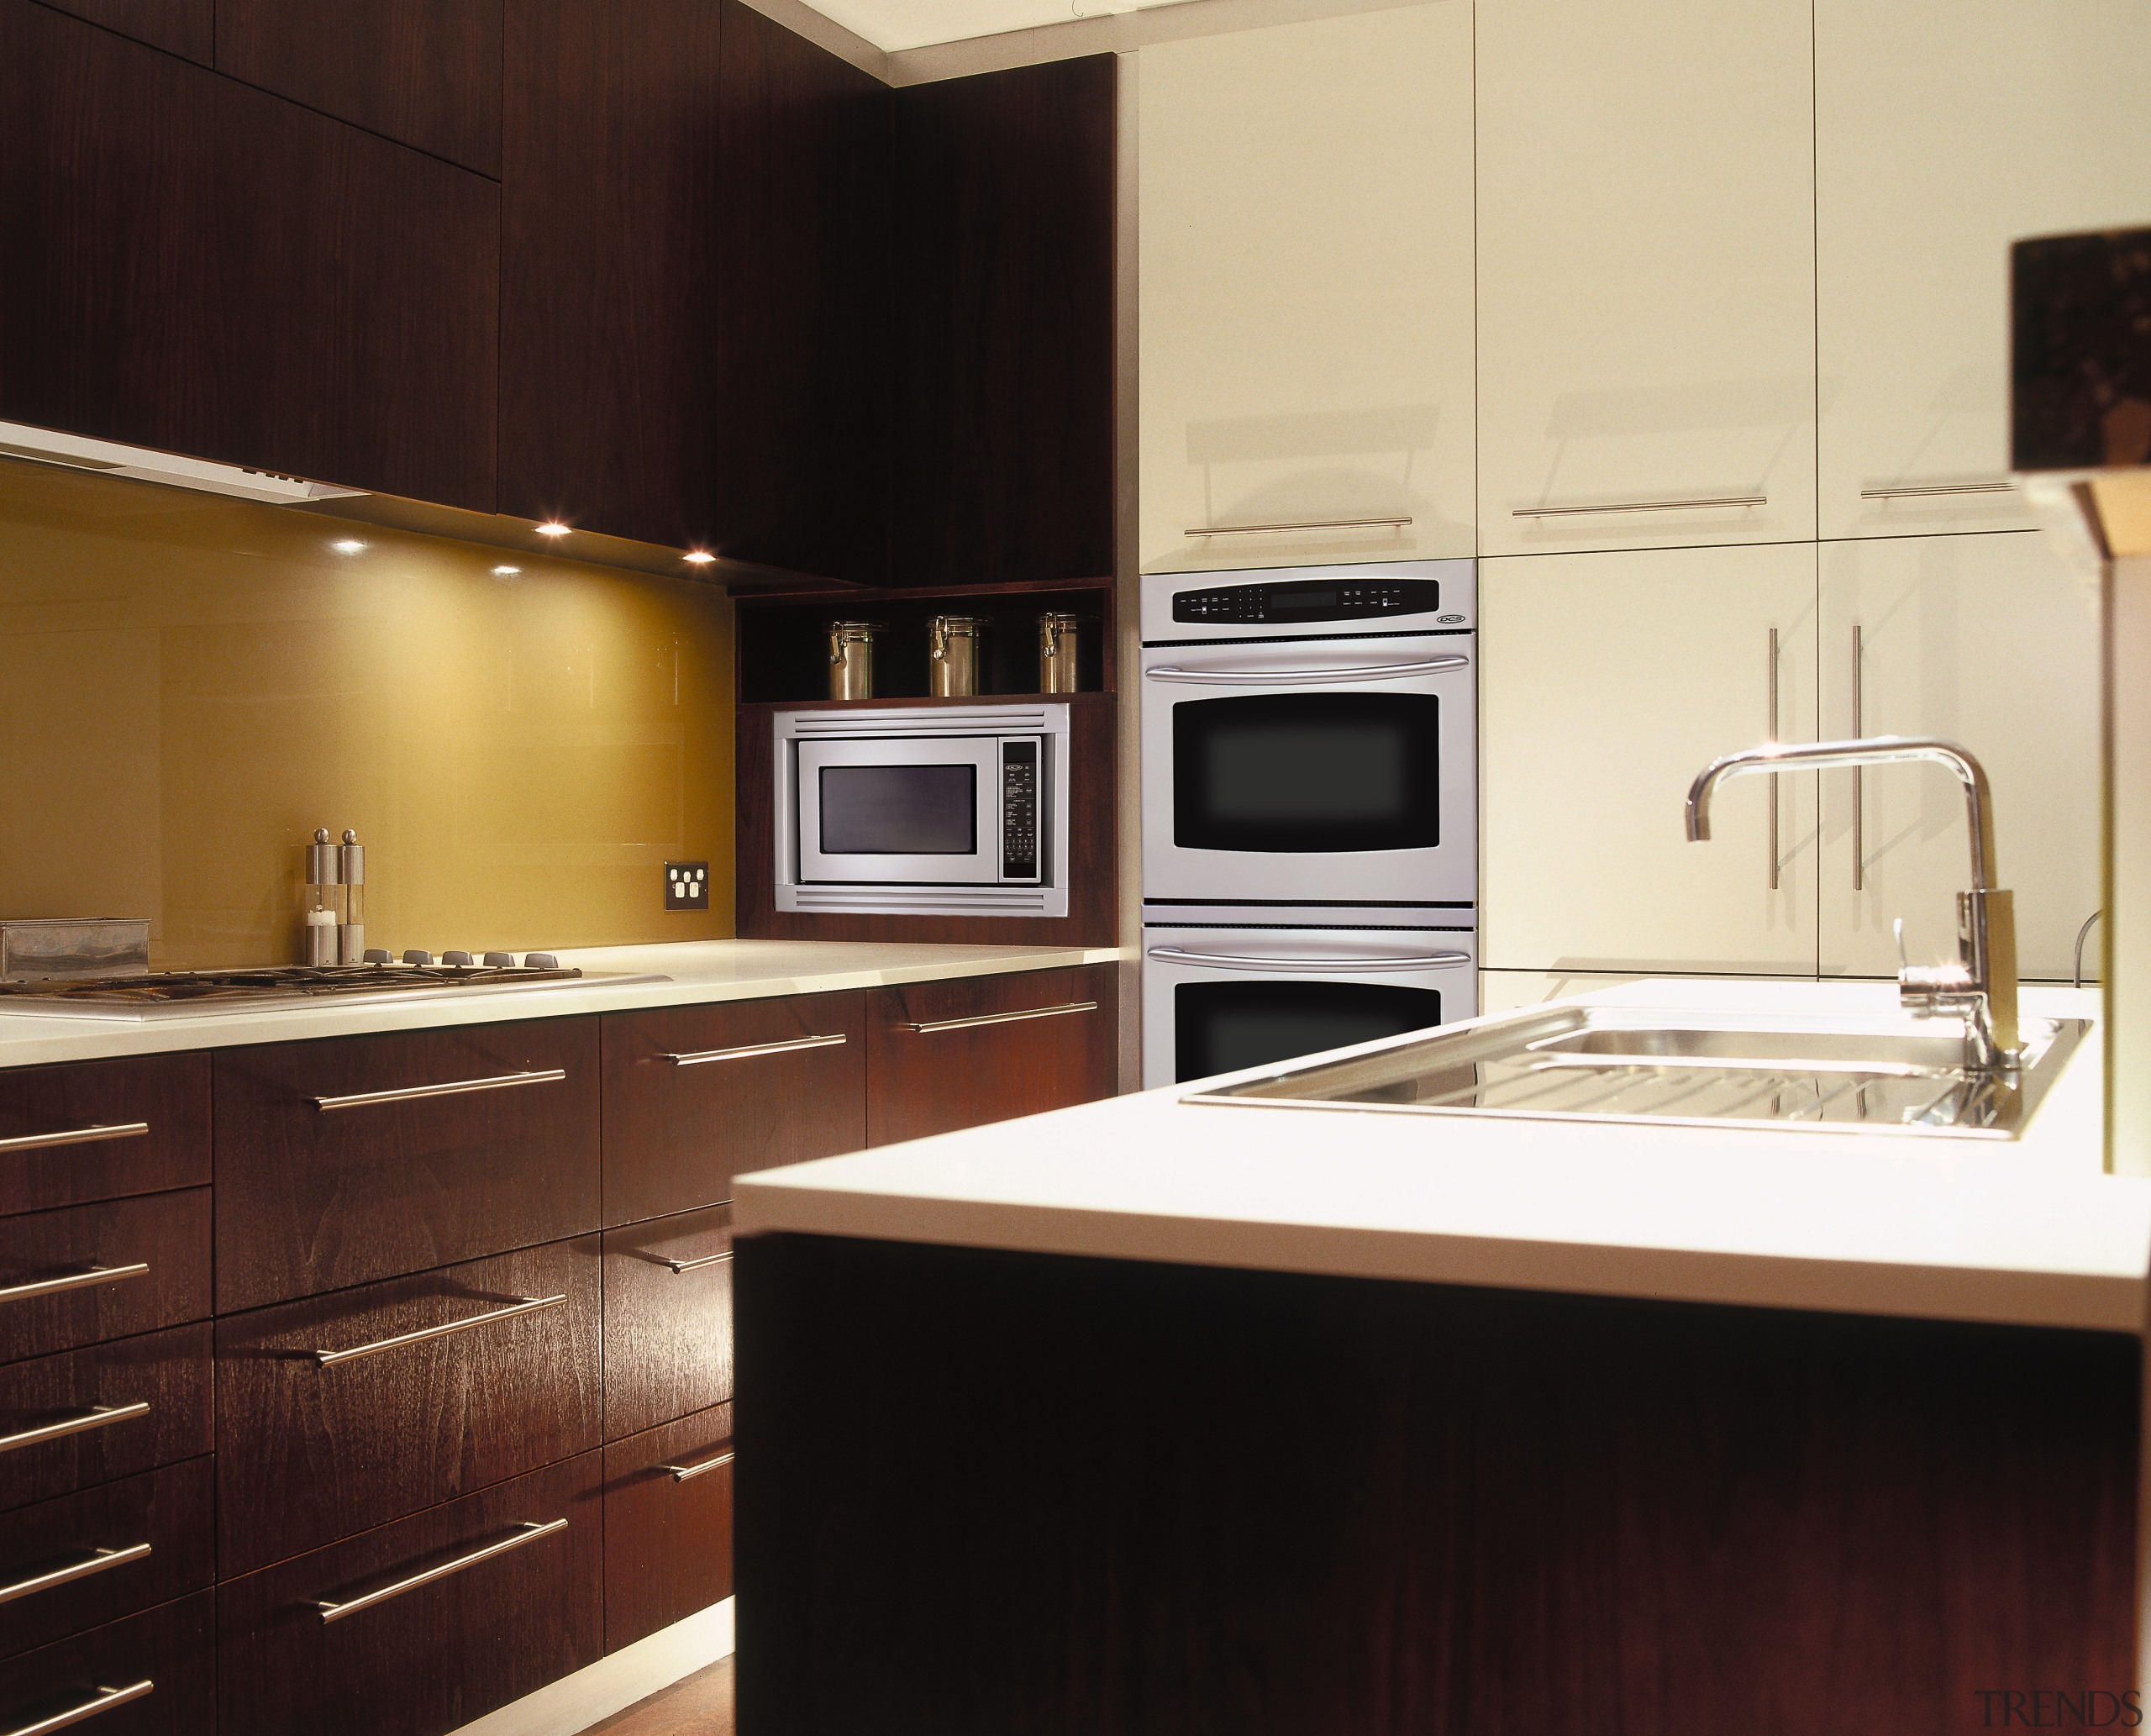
(700, 1706)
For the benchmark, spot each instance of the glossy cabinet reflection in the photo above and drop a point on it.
(1944, 130)
(1645, 241)
(1609, 680)
(1306, 330)
(1986, 640)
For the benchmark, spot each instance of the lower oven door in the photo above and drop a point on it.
(1331, 769)
(1216, 999)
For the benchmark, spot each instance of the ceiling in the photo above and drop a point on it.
(896, 25)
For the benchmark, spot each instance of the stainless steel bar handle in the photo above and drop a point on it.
(1308, 524)
(1859, 787)
(101, 1700)
(1287, 677)
(74, 1281)
(410, 1093)
(526, 1305)
(1256, 961)
(333, 1609)
(695, 1265)
(98, 1416)
(77, 1136)
(681, 1473)
(1921, 490)
(97, 1560)
(928, 1026)
(1771, 734)
(702, 1057)
(1644, 506)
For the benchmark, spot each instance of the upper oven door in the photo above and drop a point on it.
(1328, 770)
(913, 812)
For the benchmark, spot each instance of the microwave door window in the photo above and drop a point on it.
(910, 810)
(1312, 772)
(1222, 1027)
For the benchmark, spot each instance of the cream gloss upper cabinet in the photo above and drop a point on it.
(1944, 130)
(1646, 252)
(1607, 680)
(1305, 303)
(1990, 642)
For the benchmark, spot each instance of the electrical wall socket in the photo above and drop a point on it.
(686, 885)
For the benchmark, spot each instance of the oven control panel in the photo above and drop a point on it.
(1293, 602)
(1019, 810)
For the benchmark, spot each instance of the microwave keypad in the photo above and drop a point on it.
(1019, 810)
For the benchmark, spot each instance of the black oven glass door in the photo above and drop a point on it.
(1299, 773)
(904, 810)
(1220, 1027)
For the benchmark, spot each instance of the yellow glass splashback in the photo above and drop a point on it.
(190, 685)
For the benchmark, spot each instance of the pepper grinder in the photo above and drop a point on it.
(324, 899)
(351, 866)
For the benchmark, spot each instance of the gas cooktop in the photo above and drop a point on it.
(154, 992)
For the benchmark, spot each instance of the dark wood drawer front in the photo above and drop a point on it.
(739, 1096)
(75, 1419)
(668, 1524)
(172, 1648)
(84, 1559)
(943, 1056)
(64, 1131)
(310, 1451)
(434, 1656)
(329, 1175)
(154, 1247)
(668, 1319)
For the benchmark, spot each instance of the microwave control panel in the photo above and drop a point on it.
(1292, 601)
(1019, 810)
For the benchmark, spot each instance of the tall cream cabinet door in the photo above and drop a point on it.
(1990, 641)
(1646, 310)
(1607, 681)
(1305, 311)
(1944, 130)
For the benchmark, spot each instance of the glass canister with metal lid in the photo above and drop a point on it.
(851, 658)
(952, 655)
(1057, 639)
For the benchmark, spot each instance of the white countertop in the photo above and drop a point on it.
(695, 972)
(2029, 1231)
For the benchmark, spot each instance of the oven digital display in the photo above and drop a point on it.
(1290, 601)
(899, 810)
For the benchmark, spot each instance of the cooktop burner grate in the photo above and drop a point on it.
(165, 988)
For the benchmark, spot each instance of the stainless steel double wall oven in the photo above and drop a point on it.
(1310, 809)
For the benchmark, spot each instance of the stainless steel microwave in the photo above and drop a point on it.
(924, 811)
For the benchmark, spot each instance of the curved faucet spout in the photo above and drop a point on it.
(1868, 750)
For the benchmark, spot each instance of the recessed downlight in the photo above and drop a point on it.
(698, 557)
(506, 572)
(349, 545)
(552, 527)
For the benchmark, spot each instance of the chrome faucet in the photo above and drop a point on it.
(1981, 987)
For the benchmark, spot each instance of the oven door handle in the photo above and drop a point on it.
(1291, 677)
(1249, 961)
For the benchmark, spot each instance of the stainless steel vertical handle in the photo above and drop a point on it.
(1771, 734)
(1858, 730)
(101, 1700)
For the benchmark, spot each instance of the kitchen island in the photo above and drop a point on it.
(1154, 1416)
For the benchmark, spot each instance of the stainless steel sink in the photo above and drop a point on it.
(1629, 1065)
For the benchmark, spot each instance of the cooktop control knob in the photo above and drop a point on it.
(540, 962)
(455, 958)
(507, 959)
(376, 955)
(417, 955)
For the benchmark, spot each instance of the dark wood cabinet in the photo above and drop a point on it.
(943, 1056)
(1003, 433)
(154, 1247)
(696, 1095)
(346, 1160)
(668, 1524)
(100, 1677)
(424, 72)
(105, 1552)
(198, 265)
(54, 1122)
(107, 1411)
(309, 1450)
(501, 1623)
(186, 27)
(668, 1319)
